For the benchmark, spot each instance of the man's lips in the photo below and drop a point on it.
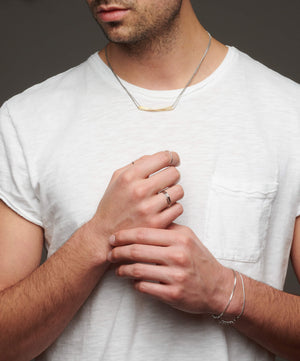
(111, 13)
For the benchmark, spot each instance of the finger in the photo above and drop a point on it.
(138, 253)
(147, 236)
(167, 216)
(162, 200)
(146, 272)
(147, 165)
(168, 197)
(163, 179)
(160, 291)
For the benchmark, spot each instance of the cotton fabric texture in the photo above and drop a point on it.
(237, 133)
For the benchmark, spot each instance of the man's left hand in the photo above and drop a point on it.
(173, 266)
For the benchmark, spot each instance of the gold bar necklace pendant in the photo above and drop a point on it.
(145, 109)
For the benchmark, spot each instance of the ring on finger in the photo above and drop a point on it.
(171, 157)
(168, 198)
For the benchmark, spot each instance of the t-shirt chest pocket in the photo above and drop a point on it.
(237, 218)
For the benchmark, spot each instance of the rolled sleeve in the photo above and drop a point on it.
(16, 188)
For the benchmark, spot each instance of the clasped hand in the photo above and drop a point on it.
(171, 265)
(164, 259)
(133, 198)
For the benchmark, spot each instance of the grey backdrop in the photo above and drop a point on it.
(40, 38)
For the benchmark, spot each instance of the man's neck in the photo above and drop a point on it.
(167, 64)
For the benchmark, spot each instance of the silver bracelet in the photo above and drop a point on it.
(233, 321)
(218, 317)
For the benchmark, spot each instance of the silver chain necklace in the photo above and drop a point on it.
(174, 105)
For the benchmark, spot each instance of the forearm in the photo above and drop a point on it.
(271, 318)
(189, 278)
(37, 309)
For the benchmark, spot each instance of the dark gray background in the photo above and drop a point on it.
(40, 38)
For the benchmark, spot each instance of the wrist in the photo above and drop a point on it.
(225, 291)
(94, 242)
(234, 304)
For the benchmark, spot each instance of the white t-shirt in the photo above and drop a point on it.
(238, 136)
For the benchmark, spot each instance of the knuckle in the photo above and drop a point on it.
(136, 271)
(186, 237)
(120, 236)
(188, 242)
(154, 223)
(143, 210)
(139, 286)
(139, 192)
(116, 174)
(134, 252)
(180, 258)
(175, 294)
(125, 178)
(189, 232)
(180, 277)
(141, 235)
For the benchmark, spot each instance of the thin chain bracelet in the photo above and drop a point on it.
(218, 317)
(233, 321)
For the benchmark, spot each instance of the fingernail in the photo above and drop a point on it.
(112, 239)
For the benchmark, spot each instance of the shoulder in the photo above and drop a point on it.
(52, 94)
(268, 85)
(45, 111)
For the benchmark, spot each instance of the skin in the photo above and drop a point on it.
(177, 50)
(148, 20)
(190, 279)
(37, 303)
(185, 281)
(46, 298)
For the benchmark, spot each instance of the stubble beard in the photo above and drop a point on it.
(150, 29)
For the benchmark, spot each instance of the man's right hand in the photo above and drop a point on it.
(37, 303)
(133, 198)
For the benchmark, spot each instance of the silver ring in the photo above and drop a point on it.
(171, 157)
(168, 198)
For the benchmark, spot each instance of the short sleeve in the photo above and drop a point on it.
(16, 188)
